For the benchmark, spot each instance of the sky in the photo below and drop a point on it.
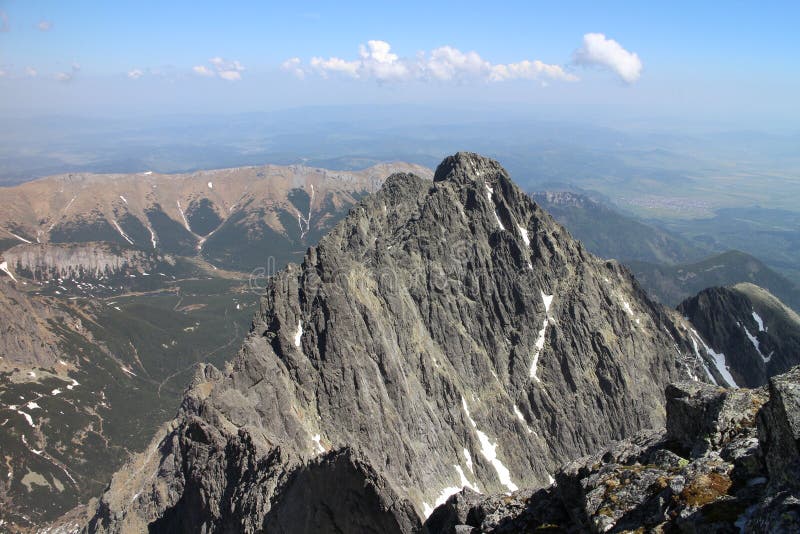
(674, 62)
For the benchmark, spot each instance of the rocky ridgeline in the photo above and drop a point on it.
(727, 461)
(444, 334)
(757, 335)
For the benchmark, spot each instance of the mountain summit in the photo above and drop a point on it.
(445, 334)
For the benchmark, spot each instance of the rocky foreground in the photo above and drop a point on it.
(727, 461)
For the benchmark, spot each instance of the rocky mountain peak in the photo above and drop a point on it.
(446, 334)
(749, 329)
(469, 168)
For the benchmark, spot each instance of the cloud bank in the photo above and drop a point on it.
(597, 50)
(45, 26)
(227, 70)
(376, 61)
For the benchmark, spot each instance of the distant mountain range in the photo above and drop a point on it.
(672, 268)
(673, 283)
(611, 234)
(229, 218)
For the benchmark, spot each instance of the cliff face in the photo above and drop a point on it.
(444, 334)
(727, 461)
(754, 332)
(77, 260)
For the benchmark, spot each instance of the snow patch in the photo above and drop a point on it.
(183, 216)
(539, 344)
(317, 439)
(489, 451)
(497, 217)
(449, 491)
(124, 199)
(524, 233)
(18, 237)
(548, 300)
(627, 307)
(33, 406)
(4, 268)
(759, 321)
(754, 340)
(27, 417)
(299, 334)
(489, 191)
(468, 458)
(465, 483)
(703, 362)
(152, 235)
(210, 185)
(718, 359)
(522, 420)
(128, 239)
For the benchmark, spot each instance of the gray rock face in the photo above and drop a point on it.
(756, 333)
(445, 334)
(701, 417)
(77, 260)
(727, 462)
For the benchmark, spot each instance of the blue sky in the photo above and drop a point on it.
(730, 61)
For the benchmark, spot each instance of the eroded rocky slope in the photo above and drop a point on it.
(755, 333)
(727, 461)
(445, 334)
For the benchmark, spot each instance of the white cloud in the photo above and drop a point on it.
(135, 74)
(293, 65)
(227, 70)
(2, 73)
(531, 70)
(202, 70)
(230, 75)
(30, 72)
(448, 63)
(45, 26)
(4, 27)
(376, 61)
(334, 64)
(607, 53)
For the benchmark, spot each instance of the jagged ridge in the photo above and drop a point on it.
(448, 334)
